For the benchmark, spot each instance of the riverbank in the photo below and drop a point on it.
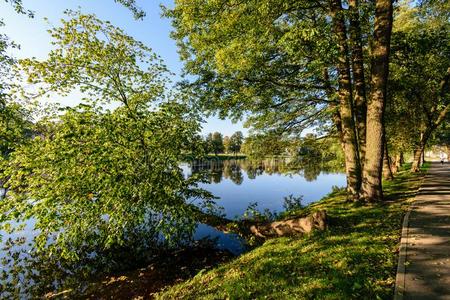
(356, 258)
(219, 156)
(225, 156)
(166, 269)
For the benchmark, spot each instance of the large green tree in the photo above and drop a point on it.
(292, 65)
(95, 177)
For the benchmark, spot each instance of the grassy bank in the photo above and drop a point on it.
(220, 156)
(225, 156)
(356, 258)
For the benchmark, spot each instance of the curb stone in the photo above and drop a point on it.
(402, 253)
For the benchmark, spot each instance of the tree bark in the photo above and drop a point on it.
(416, 164)
(265, 229)
(402, 159)
(373, 165)
(396, 163)
(349, 140)
(419, 151)
(387, 170)
(360, 99)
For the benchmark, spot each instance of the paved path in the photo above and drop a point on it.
(425, 251)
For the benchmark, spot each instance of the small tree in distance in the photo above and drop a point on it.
(236, 141)
(226, 143)
(214, 142)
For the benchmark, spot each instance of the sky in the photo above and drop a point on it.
(32, 36)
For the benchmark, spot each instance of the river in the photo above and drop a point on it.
(241, 182)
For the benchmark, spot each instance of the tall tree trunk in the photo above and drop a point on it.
(333, 106)
(395, 164)
(402, 159)
(417, 159)
(419, 151)
(387, 170)
(349, 140)
(360, 99)
(373, 165)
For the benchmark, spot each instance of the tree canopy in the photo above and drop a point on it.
(91, 177)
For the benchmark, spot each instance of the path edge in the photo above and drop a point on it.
(400, 277)
(401, 267)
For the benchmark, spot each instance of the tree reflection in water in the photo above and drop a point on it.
(310, 168)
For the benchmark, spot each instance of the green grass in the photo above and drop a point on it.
(355, 258)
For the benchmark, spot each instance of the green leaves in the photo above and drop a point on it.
(96, 179)
(236, 141)
(261, 57)
(101, 60)
(419, 64)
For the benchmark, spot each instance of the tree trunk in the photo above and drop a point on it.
(360, 99)
(419, 151)
(349, 140)
(387, 170)
(396, 163)
(373, 165)
(264, 229)
(417, 160)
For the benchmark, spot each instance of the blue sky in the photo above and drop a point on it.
(154, 31)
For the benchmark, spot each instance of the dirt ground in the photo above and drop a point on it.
(166, 270)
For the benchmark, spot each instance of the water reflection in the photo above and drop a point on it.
(240, 182)
(217, 169)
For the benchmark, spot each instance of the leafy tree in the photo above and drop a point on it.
(19, 8)
(290, 65)
(96, 178)
(261, 145)
(236, 141)
(215, 142)
(226, 144)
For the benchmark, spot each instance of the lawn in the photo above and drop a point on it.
(356, 258)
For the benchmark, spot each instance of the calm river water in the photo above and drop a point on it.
(238, 183)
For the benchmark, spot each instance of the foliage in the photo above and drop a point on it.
(102, 61)
(14, 118)
(95, 179)
(261, 145)
(292, 203)
(236, 142)
(19, 8)
(354, 259)
(253, 213)
(262, 57)
(419, 81)
(214, 143)
(130, 4)
(226, 144)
